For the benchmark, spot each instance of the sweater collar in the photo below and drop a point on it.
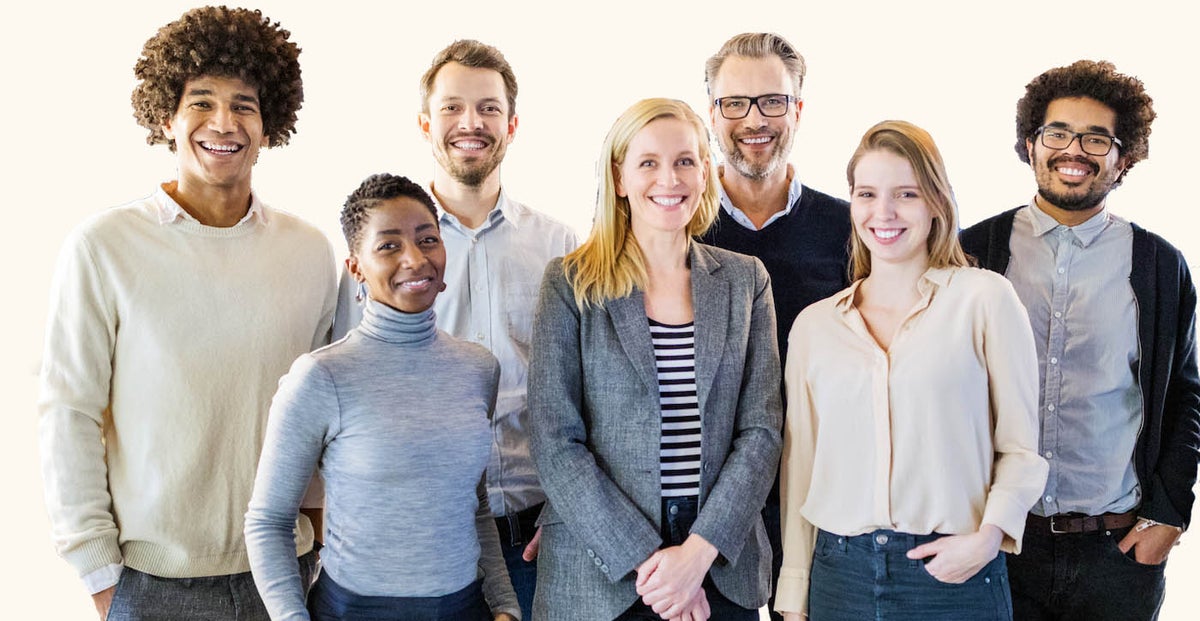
(384, 323)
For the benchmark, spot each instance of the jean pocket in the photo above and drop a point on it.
(1113, 544)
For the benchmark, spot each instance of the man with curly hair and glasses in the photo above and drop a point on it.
(1113, 311)
(172, 319)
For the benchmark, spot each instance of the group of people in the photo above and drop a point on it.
(486, 419)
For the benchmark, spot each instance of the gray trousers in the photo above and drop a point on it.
(143, 597)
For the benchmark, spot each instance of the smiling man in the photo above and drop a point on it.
(496, 252)
(801, 235)
(1113, 313)
(172, 319)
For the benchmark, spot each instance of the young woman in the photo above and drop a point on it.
(396, 416)
(653, 391)
(910, 454)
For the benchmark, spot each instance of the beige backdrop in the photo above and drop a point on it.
(956, 68)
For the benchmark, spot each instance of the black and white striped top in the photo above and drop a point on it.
(679, 452)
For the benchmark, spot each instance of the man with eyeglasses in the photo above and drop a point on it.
(1113, 310)
(798, 233)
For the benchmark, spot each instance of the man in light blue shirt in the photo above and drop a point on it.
(496, 251)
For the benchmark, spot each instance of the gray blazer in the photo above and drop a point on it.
(596, 423)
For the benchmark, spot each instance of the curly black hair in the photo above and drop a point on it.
(1098, 80)
(371, 192)
(221, 42)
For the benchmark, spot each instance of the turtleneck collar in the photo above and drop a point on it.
(385, 323)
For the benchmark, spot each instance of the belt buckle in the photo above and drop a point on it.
(1054, 529)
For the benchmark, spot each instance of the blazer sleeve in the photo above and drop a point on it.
(748, 473)
(1018, 473)
(497, 588)
(596, 511)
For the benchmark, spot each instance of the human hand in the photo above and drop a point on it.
(669, 579)
(958, 557)
(1150, 544)
(794, 616)
(697, 609)
(103, 600)
(531, 550)
(504, 616)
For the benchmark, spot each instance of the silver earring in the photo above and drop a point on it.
(361, 294)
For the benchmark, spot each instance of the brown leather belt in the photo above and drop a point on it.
(1065, 523)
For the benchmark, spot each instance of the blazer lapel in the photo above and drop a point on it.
(710, 308)
(633, 331)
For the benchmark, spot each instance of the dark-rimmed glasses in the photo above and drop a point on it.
(734, 108)
(1059, 138)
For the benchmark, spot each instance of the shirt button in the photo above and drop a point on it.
(1057, 314)
(1050, 407)
(1049, 498)
(1053, 360)
(1061, 270)
(674, 509)
(1049, 454)
(479, 337)
(881, 539)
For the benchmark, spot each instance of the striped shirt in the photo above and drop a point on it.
(679, 450)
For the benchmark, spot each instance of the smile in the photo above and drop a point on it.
(756, 140)
(419, 284)
(666, 201)
(221, 149)
(469, 145)
(886, 235)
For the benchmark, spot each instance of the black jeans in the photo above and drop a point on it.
(678, 515)
(1081, 577)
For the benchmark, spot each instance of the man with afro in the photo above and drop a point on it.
(172, 319)
(1113, 311)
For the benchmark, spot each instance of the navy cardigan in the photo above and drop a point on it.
(1168, 446)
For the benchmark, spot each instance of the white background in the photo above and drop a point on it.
(955, 68)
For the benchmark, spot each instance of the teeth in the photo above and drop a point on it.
(416, 283)
(887, 233)
(758, 140)
(1075, 172)
(223, 148)
(470, 145)
(667, 201)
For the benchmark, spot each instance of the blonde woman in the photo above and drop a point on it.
(653, 395)
(910, 450)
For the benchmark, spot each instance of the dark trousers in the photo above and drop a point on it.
(1069, 577)
(870, 577)
(142, 597)
(516, 531)
(678, 516)
(330, 601)
(770, 514)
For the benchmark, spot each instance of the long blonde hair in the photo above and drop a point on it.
(610, 264)
(916, 146)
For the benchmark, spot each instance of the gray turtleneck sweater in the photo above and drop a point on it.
(396, 415)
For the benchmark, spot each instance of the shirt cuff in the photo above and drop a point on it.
(103, 578)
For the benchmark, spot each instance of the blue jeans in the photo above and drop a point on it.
(1082, 576)
(142, 597)
(330, 601)
(516, 531)
(869, 577)
(678, 516)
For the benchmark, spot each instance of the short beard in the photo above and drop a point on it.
(756, 172)
(1089, 200)
(471, 175)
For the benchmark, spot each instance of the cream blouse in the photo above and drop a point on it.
(937, 434)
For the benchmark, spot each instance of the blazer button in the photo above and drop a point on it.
(591, 554)
(604, 568)
(598, 561)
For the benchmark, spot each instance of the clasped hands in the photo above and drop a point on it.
(670, 580)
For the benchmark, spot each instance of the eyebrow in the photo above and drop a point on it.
(1092, 129)
(205, 92)
(422, 227)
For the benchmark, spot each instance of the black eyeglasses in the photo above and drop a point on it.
(734, 108)
(1059, 138)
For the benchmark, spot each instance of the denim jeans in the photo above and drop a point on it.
(678, 516)
(1082, 576)
(869, 577)
(142, 597)
(330, 601)
(516, 531)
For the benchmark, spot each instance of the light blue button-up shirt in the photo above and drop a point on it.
(1074, 282)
